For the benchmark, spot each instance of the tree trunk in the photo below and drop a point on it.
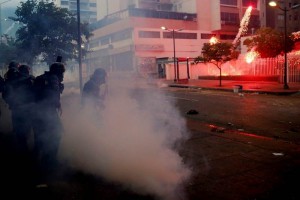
(220, 79)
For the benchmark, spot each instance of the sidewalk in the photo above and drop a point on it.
(260, 87)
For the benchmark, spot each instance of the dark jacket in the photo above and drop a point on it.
(47, 89)
(91, 89)
(18, 90)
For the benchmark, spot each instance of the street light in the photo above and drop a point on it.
(285, 10)
(176, 78)
(79, 46)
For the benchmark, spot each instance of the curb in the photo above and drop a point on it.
(278, 93)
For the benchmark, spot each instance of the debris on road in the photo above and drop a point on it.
(192, 112)
(278, 154)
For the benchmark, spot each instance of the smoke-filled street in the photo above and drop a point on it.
(167, 143)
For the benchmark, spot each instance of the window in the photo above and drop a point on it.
(94, 44)
(230, 18)
(179, 35)
(122, 35)
(280, 17)
(104, 40)
(93, 5)
(227, 37)
(149, 34)
(296, 16)
(229, 2)
(64, 3)
(207, 35)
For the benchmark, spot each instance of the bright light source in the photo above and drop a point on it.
(164, 28)
(213, 40)
(250, 56)
(272, 3)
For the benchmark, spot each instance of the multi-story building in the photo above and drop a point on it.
(275, 17)
(88, 8)
(128, 34)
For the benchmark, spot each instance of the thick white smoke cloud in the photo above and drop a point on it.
(131, 141)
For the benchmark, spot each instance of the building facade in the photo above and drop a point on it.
(275, 16)
(88, 8)
(128, 34)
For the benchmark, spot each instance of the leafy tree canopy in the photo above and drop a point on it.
(217, 53)
(7, 49)
(47, 31)
(268, 43)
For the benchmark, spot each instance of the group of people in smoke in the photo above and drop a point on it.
(35, 105)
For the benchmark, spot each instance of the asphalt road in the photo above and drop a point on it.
(239, 147)
(266, 115)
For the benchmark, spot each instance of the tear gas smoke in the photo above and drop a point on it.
(130, 141)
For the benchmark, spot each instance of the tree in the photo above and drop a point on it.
(7, 49)
(47, 31)
(217, 54)
(268, 42)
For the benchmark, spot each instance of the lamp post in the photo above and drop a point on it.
(176, 67)
(285, 10)
(79, 46)
(1, 16)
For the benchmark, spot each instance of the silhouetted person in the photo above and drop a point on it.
(10, 79)
(22, 95)
(47, 124)
(1, 84)
(1, 88)
(18, 94)
(92, 94)
(12, 71)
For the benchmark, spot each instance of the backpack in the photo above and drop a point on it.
(47, 90)
(40, 85)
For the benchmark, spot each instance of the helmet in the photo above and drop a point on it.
(57, 68)
(24, 69)
(13, 64)
(99, 73)
(99, 76)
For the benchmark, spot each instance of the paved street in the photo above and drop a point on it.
(226, 164)
(232, 165)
